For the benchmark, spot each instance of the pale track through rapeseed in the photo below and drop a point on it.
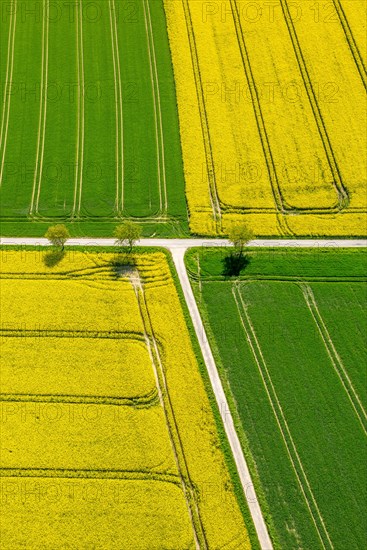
(213, 192)
(343, 198)
(172, 428)
(351, 42)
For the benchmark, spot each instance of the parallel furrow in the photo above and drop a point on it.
(334, 357)
(51, 333)
(89, 474)
(161, 168)
(351, 42)
(173, 431)
(37, 180)
(203, 117)
(292, 451)
(142, 401)
(7, 89)
(278, 199)
(119, 111)
(343, 197)
(281, 207)
(78, 186)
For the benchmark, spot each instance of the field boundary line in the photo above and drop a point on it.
(140, 401)
(157, 109)
(81, 474)
(8, 60)
(334, 357)
(37, 179)
(280, 418)
(351, 41)
(221, 401)
(8, 81)
(159, 103)
(277, 194)
(119, 110)
(213, 191)
(80, 112)
(280, 206)
(82, 104)
(77, 113)
(143, 401)
(342, 191)
(57, 333)
(172, 428)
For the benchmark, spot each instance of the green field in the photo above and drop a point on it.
(89, 126)
(289, 339)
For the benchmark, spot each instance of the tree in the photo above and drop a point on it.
(57, 235)
(127, 233)
(240, 235)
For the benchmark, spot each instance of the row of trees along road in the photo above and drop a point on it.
(128, 233)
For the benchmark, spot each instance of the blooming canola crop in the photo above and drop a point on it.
(101, 391)
(272, 115)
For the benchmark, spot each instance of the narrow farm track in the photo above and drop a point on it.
(351, 42)
(343, 197)
(58, 333)
(7, 89)
(161, 167)
(281, 206)
(82, 107)
(173, 432)
(242, 467)
(119, 111)
(277, 194)
(80, 124)
(88, 474)
(213, 192)
(5, 95)
(143, 401)
(37, 180)
(292, 452)
(185, 244)
(335, 357)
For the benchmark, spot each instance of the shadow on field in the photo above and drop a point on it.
(233, 265)
(53, 257)
(122, 265)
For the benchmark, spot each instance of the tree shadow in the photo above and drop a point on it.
(53, 257)
(123, 264)
(233, 265)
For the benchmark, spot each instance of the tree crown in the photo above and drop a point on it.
(57, 235)
(240, 235)
(128, 233)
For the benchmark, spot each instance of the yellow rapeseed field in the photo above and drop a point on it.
(108, 435)
(59, 365)
(134, 508)
(355, 12)
(194, 417)
(272, 108)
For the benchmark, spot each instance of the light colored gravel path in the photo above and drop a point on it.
(178, 248)
(172, 244)
(242, 468)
